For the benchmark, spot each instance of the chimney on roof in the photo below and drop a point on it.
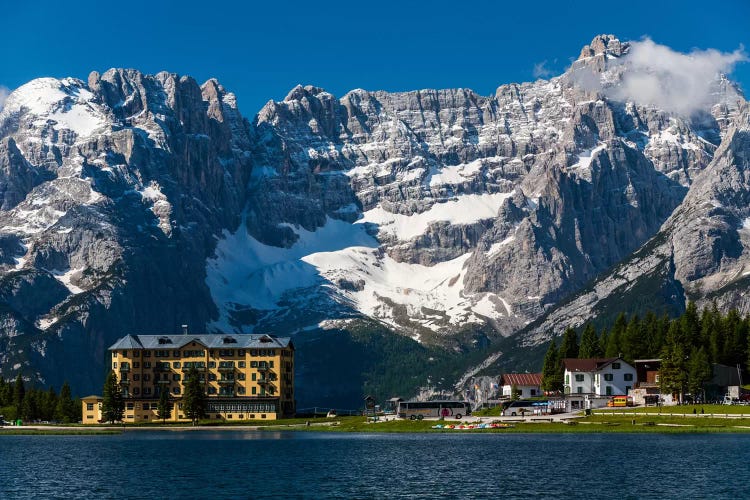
(184, 329)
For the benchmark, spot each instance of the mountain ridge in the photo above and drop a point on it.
(133, 202)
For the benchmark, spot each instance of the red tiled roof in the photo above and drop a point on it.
(586, 365)
(522, 379)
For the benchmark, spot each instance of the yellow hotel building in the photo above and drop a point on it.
(246, 377)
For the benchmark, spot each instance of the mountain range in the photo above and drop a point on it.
(404, 240)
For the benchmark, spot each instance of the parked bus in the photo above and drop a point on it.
(620, 401)
(523, 407)
(417, 410)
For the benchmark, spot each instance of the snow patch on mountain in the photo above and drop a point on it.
(66, 103)
(465, 209)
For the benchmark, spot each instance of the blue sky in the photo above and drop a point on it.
(261, 50)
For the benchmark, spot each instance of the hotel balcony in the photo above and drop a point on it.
(226, 367)
(163, 382)
(124, 368)
(225, 381)
(187, 368)
(124, 382)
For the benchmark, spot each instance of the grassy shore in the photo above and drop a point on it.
(602, 421)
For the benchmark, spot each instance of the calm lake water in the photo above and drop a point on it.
(214, 465)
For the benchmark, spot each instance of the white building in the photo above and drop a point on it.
(598, 377)
(528, 385)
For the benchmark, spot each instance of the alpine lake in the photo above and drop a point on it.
(216, 464)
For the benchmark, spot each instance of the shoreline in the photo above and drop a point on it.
(621, 422)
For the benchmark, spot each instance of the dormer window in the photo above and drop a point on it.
(165, 340)
(230, 340)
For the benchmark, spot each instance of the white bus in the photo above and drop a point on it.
(417, 410)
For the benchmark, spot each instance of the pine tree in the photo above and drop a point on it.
(634, 343)
(673, 372)
(699, 371)
(164, 407)
(514, 393)
(65, 409)
(19, 394)
(590, 347)
(194, 399)
(614, 341)
(113, 405)
(569, 346)
(691, 325)
(551, 370)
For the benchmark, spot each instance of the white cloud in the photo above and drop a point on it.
(670, 80)
(541, 70)
(4, 92)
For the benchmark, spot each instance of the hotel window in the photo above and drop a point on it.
(136, 354)
(270, 364)
(136, 390)
(580, 390)
(615, 366)
(114, 354)
(146, 377)
(241, 352)
(114, 365)
(254, 376)
(90, 406)
(253, 352)
(628, 377)
(146, 354)
(212, 390)
(176, 354)
(130, 406)
(176, 377)
(241, 364)
(608, 377)
(176, 390)
(656, 378)
(212, 364)
(579, 377)
(211, 376)
(567, 379)
(147, 364)
(176, 364)
(136, 364)
(146, 391)
(240, 376)
(136, 377)
(254, 390)
(253, 364)
(240, 390)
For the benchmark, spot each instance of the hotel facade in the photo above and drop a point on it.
(246, 377)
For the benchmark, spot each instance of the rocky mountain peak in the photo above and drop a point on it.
(604, 44)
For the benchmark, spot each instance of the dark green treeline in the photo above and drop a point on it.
(29, 403)
(686, 344)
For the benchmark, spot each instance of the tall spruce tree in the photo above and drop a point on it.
(164, 407)
(113, 405)
(614, 341)
(590, 346)
(552, 369)
(699, 371)
(569, 346)
(65, 409)
(673, 372)
(19, 394)
(634, 343)
(194, 399)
